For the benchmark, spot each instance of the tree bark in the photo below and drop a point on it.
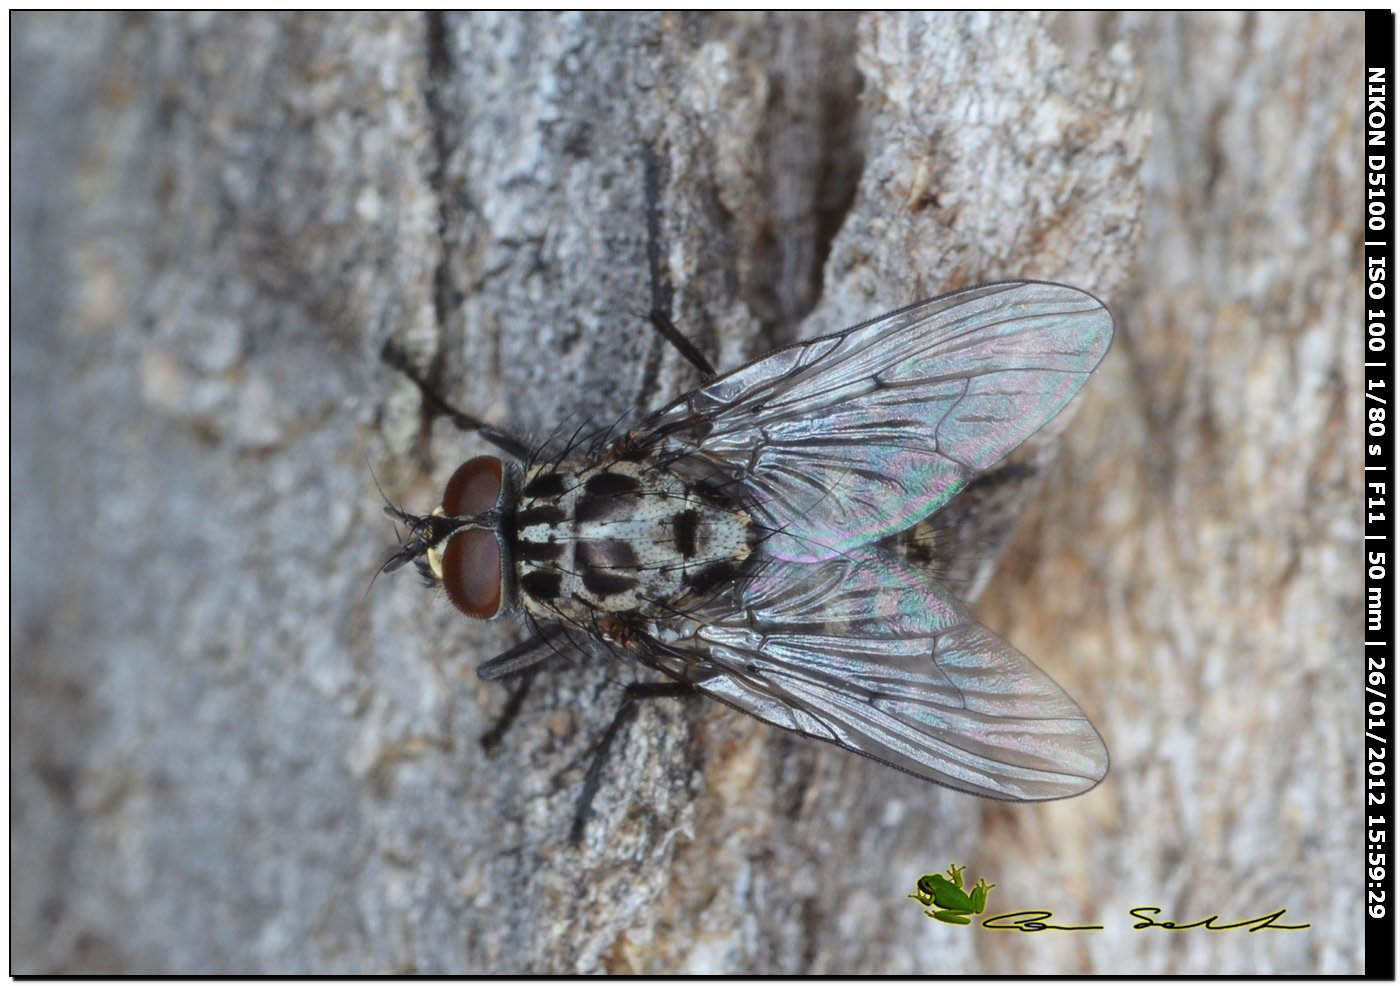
(229, 756)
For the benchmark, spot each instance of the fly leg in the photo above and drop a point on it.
(522, 660)
(503, 440)
(492, 737)
(661, 290)
(631, 695)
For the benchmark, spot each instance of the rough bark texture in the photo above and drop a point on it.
(228, 757)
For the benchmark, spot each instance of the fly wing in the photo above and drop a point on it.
(847, 439)
(864, 652)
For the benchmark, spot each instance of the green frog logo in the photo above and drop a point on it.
(946, 899)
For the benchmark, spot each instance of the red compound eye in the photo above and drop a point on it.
(471, 572)
(474, 488)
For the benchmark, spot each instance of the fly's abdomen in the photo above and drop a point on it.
(617, 537)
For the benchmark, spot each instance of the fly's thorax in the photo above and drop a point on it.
(615, 537)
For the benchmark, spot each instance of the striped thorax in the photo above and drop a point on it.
(584, 542)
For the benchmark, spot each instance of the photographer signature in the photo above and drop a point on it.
(946, 900)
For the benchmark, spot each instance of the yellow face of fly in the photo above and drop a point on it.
(434, 554)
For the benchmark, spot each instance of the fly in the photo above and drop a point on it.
(741, 541)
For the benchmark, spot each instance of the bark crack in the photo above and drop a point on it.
(440, 70)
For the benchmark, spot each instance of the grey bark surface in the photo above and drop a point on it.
(228, 756)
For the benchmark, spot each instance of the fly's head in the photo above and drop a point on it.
(462, 545)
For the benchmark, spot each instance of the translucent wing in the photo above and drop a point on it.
(864, 652)
(847, 439)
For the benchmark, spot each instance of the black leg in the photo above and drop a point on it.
(524, 659)
(631, 695)
(492, 737)
(661, 290)
(522, 656)
(506, 442)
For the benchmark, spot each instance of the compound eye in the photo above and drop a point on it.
(471, 572)
(474, 488)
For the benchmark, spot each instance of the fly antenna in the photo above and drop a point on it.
(393, 511)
